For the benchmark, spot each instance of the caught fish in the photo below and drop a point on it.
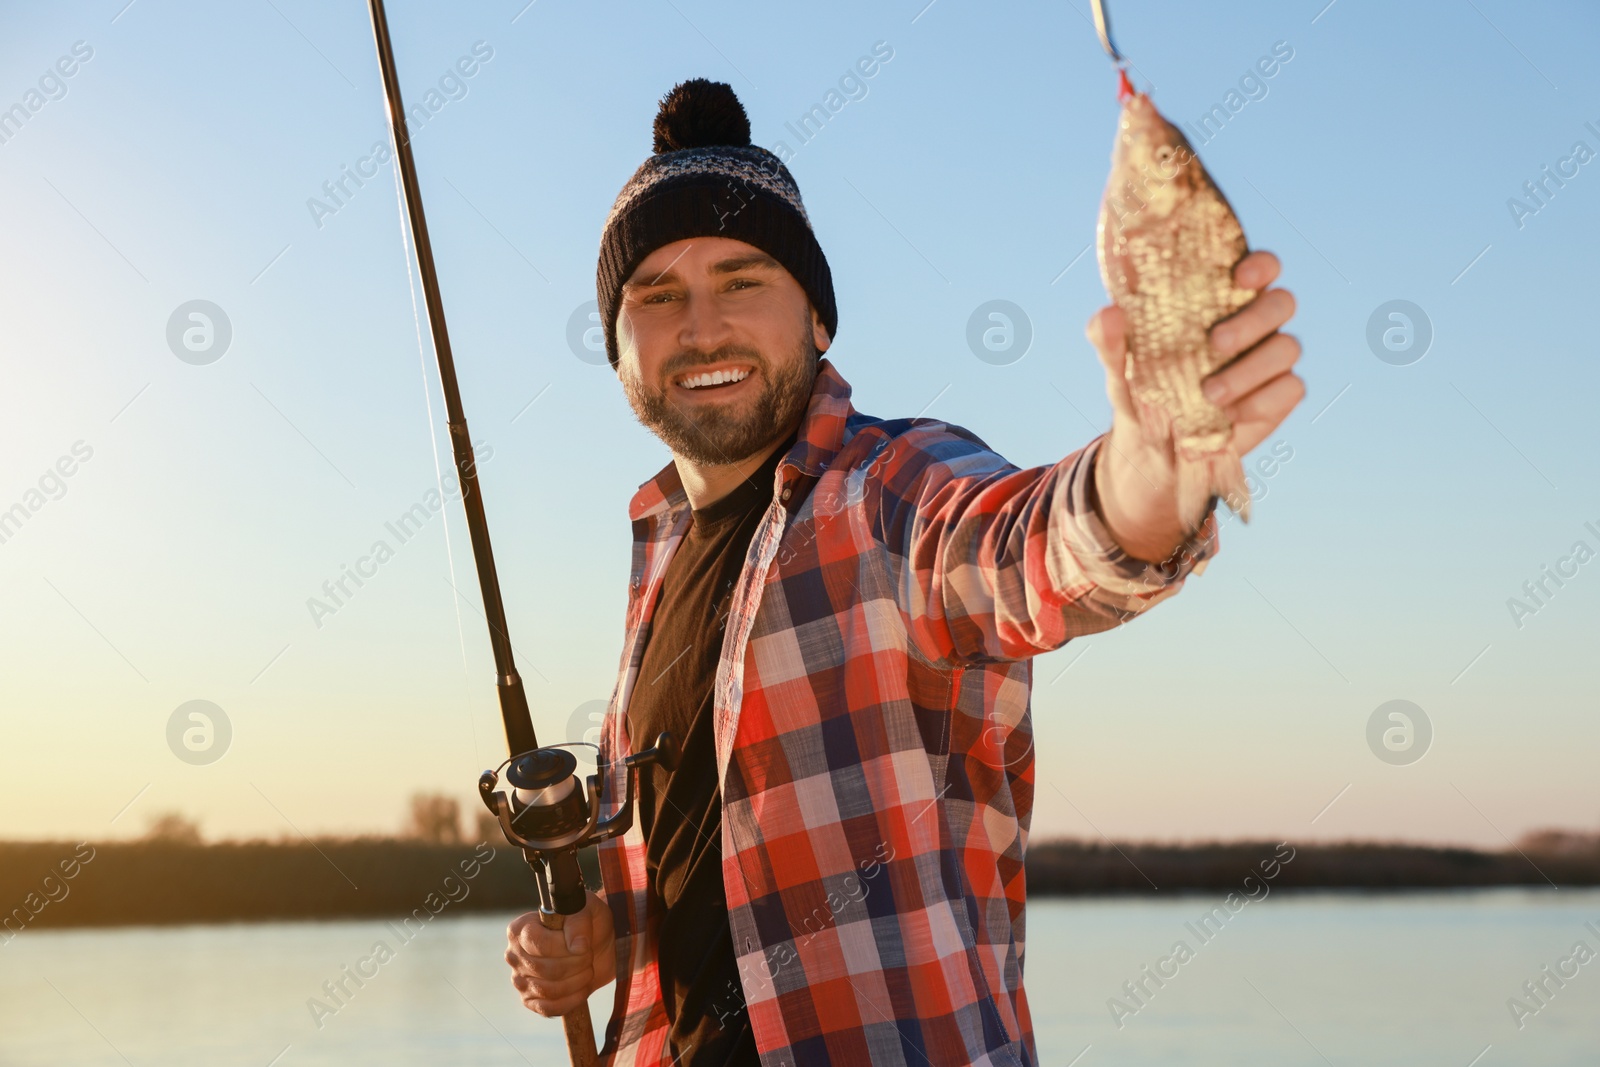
(1167, 243)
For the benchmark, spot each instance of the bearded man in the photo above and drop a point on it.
(836, 616)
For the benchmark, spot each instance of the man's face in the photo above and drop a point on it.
(713, 305)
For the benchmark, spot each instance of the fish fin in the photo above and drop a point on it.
(1217, 473)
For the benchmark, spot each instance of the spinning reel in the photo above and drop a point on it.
(550, 815)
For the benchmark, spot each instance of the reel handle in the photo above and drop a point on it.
(663, 753)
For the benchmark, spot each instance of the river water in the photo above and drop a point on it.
(1313, 979)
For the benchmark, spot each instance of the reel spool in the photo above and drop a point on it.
(550, 814)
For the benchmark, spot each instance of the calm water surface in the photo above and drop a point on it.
(1310, 979)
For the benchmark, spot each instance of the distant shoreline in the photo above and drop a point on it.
(57, 885)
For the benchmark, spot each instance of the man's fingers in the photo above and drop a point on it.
(548, 997)
(527, 933)
(1261, 364)
(551, 994)
(554, 1009)
(1261, 316)
(580, 937)
(548, 968)
(532, 988)
(1272, 402)
(1262, 411)
(555, 970)
(1256, 271)
(1254, 321)
(545, 954)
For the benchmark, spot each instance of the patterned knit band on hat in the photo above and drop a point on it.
(707, 180)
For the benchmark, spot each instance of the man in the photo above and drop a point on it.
(836, 616)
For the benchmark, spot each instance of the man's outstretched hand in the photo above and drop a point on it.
(1136, 482)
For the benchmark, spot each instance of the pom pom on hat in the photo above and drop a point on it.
(700, 114)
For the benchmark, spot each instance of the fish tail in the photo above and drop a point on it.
(1217, 473)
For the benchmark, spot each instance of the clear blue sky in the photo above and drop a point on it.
(176, 163)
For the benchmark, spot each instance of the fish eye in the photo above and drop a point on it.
(1163, 153)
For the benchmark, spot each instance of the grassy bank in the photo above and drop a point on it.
(157, 882)
(1062, 868)
(60, 884)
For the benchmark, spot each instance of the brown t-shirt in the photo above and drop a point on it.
(680, 813)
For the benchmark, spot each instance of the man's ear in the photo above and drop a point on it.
(819, 332)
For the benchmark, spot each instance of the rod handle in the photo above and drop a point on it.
(580, 1036)
(578, 1025)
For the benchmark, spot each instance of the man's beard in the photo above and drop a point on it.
(710, 434)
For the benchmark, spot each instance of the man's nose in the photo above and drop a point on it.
(703, 326)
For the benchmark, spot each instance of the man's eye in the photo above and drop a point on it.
(743, 281)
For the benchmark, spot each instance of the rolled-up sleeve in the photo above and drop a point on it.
(994, 563)
(1084, 561)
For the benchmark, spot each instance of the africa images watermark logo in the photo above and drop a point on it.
(53, 889)
(1252, 88)
(1540, 990)
(1537, 592)
(199, 332)
(451, 86)
(1540, 191)
(1399, 732)
(199, 732)
(586, 337)
(1399, 332)
(50, 486)
(1140, 991)
(999, 332)
(337, 592)
(51, 86)
(852, 86)
(342, 988)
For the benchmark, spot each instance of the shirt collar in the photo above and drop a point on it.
(818, 442)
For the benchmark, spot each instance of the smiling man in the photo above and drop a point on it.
(836, 615)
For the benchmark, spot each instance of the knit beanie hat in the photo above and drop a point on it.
(707, 180)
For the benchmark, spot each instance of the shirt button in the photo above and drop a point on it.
(786, 493)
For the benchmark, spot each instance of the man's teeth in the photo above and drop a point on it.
(714, 378)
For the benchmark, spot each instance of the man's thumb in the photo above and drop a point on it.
(577, 930)
(1107, 332)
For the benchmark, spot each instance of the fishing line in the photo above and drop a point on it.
(433, 435)
(1102, 27)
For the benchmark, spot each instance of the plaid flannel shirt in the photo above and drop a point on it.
(873, 736)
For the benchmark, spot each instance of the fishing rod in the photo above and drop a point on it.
(549, 814)
(1102, 26)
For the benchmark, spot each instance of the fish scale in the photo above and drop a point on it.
(1167, 243)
